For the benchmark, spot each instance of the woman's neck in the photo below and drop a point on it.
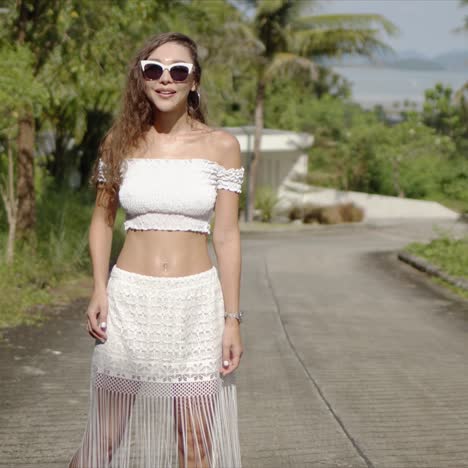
(172, 122)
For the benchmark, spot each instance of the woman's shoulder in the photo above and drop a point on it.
(229, 150)
(217, 136)
(225, 148)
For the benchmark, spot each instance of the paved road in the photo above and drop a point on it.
(351, 360)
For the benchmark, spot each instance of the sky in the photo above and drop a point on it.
(425, 25)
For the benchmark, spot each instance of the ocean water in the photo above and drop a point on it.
(387, 86)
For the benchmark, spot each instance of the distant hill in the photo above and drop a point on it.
(417, 64)
(453, 60)
(411, 54)
(456, 60)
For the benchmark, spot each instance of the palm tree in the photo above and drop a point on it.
(287, 38)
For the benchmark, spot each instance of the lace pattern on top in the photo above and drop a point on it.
(230, 179)
(168, 222)
(100, 171)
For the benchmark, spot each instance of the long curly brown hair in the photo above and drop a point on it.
(136, 117)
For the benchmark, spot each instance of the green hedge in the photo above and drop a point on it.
(58, 251)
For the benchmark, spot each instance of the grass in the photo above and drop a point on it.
(460, 206)
(30, 304)
(43, 270)
(447, 253)
(455, 289)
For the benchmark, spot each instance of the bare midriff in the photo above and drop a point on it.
(165, 253)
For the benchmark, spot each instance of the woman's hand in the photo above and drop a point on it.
(97, 315)
(232, 346)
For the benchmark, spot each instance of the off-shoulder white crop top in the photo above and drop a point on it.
(172, 194)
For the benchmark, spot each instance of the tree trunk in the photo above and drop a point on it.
(259, 102)
(59, 166)
(396, 179)
(26, 194)
(11, 206)
(26, 216)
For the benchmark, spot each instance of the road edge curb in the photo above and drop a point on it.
(429, 268)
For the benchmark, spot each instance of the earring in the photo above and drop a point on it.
(198, 99)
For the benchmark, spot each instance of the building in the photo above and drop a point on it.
(281, 150)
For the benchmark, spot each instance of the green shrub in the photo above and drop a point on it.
(446, 252)
(357, 150)
(60, 251)
(265, 200)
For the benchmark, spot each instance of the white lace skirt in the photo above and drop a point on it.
(157, 398)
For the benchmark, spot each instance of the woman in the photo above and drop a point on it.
(167, 329)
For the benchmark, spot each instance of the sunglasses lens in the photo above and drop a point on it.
(179, 73)
(152, 72)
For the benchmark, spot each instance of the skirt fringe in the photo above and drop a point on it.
(163, 405)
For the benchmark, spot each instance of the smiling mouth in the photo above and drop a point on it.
(166, 93)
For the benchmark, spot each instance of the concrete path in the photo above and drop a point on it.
(351, 360)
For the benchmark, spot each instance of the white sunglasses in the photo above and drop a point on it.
(153, 70)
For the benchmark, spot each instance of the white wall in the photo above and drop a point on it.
(375, 206)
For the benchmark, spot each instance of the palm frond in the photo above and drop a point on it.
(271, 19)
(270, 7)
(280, 12)
(336, 42)
(246, 34)
(282, 60)
(345, 21)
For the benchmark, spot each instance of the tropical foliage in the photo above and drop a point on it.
(418, 158)
(62, 66)
(288, 39)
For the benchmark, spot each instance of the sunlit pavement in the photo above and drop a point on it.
(351, 359)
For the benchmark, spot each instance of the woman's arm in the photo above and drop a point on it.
(100, 240)
(227, 246)
(228, 253)
(100, 243)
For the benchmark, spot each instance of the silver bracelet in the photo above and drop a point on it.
(237, 316)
